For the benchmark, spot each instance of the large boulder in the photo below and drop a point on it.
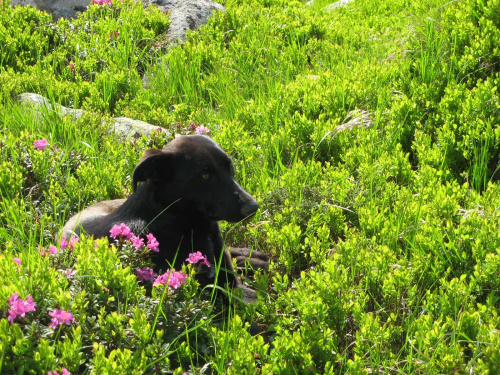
(57, 8)
(335, 5)
(185, 15)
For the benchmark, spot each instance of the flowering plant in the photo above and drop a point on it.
(59, 317)
(20, 307)
(40, 144)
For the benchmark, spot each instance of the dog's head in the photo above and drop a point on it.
(194, 171)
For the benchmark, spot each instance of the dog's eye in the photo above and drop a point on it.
(205, 176)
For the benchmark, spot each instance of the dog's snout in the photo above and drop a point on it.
(249, 208)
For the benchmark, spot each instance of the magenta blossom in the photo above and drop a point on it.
(72, 242)
(68, 272)
(174, 279)
(17, 260)
(153, 244)
(19, 307)
(202, 130)
(40, 144)
(137, 242)
(43, 250)
(65, 244)
(194, 258)
(59, 317)
(145, 274)
(121, 231)
(64, 372)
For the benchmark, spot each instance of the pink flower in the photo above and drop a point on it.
(71, 66)
(40, 144)
(194, 258)
(68, 272)
(64, 372)
(17, 260)
(137, 242)
(72, 242)
(59, 317)
(174, 279)
(145, 274)
(52, 250)
(202, 130)
(153, 244)
(64, 243)
(121, 231)
(19, 307)
(192, 126)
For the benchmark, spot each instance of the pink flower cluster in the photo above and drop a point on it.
(123, 232)
(19, 307)
(52, 250)
(145, 274)
(64, 372)
(173, 278)
(152, 244)
(63, 244)
(59, 317)
(102, 2)
(198, 129)
(202, 130)
(40, 144)
(194, 258)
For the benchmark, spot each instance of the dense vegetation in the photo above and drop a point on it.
(369, 134)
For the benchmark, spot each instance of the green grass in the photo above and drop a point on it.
(383, 228)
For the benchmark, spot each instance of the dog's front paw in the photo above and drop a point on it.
(248, 261)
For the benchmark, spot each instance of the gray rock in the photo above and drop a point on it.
(185, 15)
(129, 128)
(43, 107)
(57, 8)
(335, 5)
(338, 4)
(121, 126)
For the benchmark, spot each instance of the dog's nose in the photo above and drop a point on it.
(249, 208)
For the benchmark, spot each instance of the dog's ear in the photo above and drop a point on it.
(155, 165)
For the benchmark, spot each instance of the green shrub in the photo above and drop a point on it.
(368, 134)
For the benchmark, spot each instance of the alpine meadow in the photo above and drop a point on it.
(368, 132)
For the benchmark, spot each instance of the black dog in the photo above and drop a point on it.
(180, 194)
